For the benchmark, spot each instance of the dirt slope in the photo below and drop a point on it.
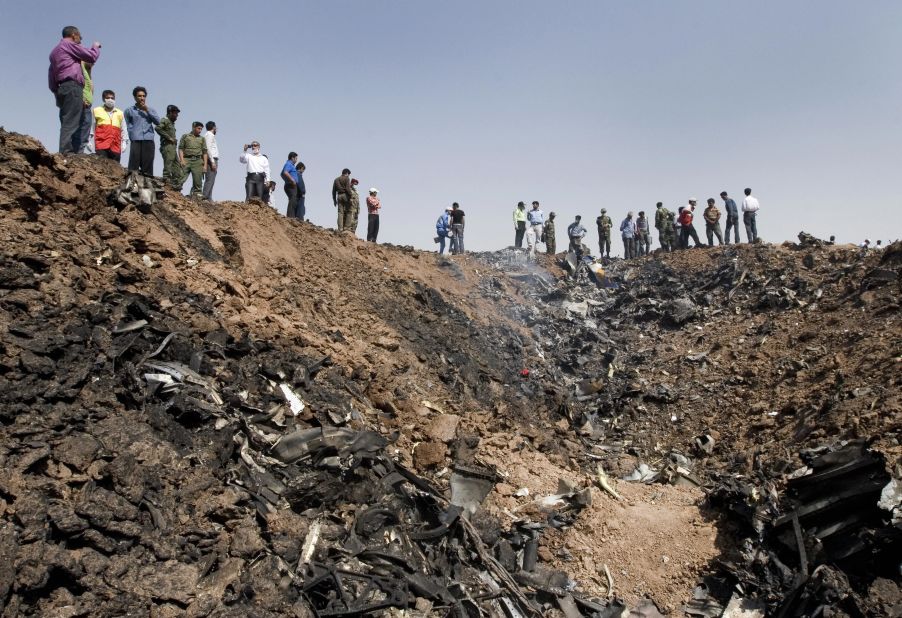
(124, 493)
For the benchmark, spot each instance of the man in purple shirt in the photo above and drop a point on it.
(67, 83)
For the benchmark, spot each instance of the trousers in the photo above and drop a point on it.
(194, 167)
(69, 101)
(291, 190)
(372, 227)
(687, 232)
(604, 244)
(457, 241)
(751, 228)
(173, 173)
(253, 186)
(210, 178)
(732, 222)
(712, 230)
(140, 156)
(629, 247)
(518, 234)
(343, 206)
(106, 153)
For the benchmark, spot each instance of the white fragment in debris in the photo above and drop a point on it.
(522, 492)
(220, 423)
(891, 500)
(192, 262)
(309, 544)
(294, 402)
(673, 417)
(149, 263)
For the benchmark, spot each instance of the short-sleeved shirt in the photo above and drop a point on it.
(194, 146)
(457, 216)
(290, 169)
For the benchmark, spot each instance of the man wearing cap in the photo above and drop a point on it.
(548, 235)
(193, 158)
(373, 204)
(141, 120)
(664, 225)
(687, 229)
(536, 219)
(732, 217)
(442, 227)
(712, 223)
(257, 171)
(604, 224)
(341, 198)
(172, 170)
(66, 81)
(749, 214)
(355, 207)
(290, 177)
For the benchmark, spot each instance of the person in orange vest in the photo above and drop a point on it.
(109, 138)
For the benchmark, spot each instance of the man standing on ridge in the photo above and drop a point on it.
(173, 173)
(87, 113)
(257, 175)
(749, 214)
(141, 120)
(373, 204)
(301, 212)
(66, 81)
(290, 178)
(628, 234)
(109, 124)
(212, 160)
(193, 158)
(576, 232)
(355, 206)
(732, 217)
(341, 199)
(711, 216)
(457, 229)
(519, 224)
(687, 229)
(548, 234)
(536, 220)
(664, 225)
(442, 227)
(643, 235)
(604, 224)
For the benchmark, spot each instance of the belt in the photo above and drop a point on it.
(256, 175)
(192, 158)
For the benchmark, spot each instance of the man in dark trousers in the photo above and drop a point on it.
(457, 228)
(373, 204)
(301, 212)
(290, 178)
(341, 199)
(66, 81)
(141, 120)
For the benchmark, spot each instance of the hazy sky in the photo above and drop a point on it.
(578, 104)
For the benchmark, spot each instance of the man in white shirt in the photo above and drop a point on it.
(257, 171)
(749, 212)
(213, 157)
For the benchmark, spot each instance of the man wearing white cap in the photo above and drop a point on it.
(372, 208)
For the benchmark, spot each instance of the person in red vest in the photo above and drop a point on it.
(109, 138)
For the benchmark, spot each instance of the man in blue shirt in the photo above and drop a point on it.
(290, 176)
(140, 120)
(732, 216)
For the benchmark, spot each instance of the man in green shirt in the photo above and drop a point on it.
(172, 171)
(87, 113)
(604, 224)
(193, 158)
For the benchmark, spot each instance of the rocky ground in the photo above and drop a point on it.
(212, 410)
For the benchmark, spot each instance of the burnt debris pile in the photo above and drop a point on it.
(208, 410)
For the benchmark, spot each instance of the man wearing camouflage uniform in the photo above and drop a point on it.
(172, 171)
(643, 235)
(604, 224)
(548, 235)
(193, 158)
(664, 225)
(341, 199)
(355, 207)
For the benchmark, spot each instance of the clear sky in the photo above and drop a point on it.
(581, 104)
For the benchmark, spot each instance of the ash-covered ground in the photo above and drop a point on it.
(207, 409)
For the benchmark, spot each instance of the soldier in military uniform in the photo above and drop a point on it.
(172, 171)
(355, 207)
(193, 158)
(604, 233)
(548, 235)
(664, 225)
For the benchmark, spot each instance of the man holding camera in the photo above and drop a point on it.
(257, 171)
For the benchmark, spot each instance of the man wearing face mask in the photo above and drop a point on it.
(109, 138)
(257, 171)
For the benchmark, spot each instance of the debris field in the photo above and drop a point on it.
(210, 410)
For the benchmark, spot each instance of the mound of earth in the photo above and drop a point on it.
(208, 409)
